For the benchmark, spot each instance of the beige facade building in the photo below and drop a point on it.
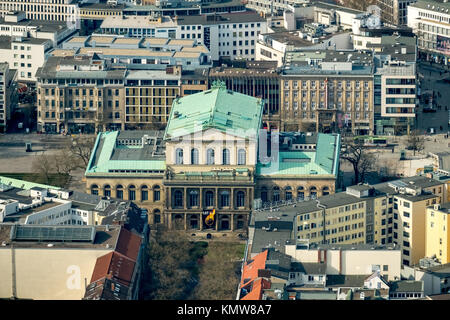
(327, 91)
(387, 213)
(79, 94)
(202, 166)
(72, 261)
(437, 232)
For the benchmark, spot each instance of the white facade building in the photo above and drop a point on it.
(24, 54)
(430, 21)
(233, 35)
(352, 260)
(51, 10)
(16, 24)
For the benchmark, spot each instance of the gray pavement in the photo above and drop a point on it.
(14, 158)
(431, 79)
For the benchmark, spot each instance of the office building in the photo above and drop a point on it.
(430, 22)
(327, 91)
(8, 97)
(257, 79)
(394, 12)
(231, 35)
(395, 85)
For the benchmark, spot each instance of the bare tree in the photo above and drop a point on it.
(220, 273)
(43, 165)
(415, 141)
(81, 147)
(170, 266)
(361, 160)
(64, 163)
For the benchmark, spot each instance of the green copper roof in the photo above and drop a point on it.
(22, 184)
(217, 108)
(103, 157)
(323, 161)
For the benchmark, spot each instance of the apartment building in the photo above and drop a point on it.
(327, 91)
(230, 34)
(395, 85)
(25, 55)
(322, 273)
(437, 234)
(430, 22)
(386, 213)
(394, 12)
(8, 97)
(80, 94)
(257, 79)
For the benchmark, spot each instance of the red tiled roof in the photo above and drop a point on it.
(101, 267)
(250, 271)
(128, 244)
(114, 266)
(257, 289)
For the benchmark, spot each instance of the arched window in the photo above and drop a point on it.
(94, 189)
(225, 198)
(178, 199)
(209, 198)
(241, 157)
(194, 156)
(300, 193)
(226, 156)
(156, 193)
(119, 191)
(325, 191)
(131, 192)
(179, 156)
(276, 194)
(288, 193)
(240, 199)
(210, 156)
(107, 190)
(313, 192)
(144, 193)
(193, 198)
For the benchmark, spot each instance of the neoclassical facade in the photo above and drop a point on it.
(207, 161)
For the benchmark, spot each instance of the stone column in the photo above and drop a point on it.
(201, 199)
(217, 198)
(185, 221)
(232, 198)
(232, 222)
(185, 198)
(201, 221)
(217, 222)
(169, 220)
